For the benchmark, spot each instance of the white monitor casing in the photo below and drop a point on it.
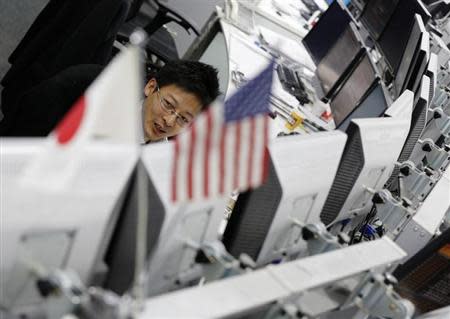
(186, 227)
(65, 228)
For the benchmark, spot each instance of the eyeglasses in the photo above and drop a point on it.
(169, 108)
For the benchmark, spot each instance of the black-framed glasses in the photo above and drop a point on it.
(169, 108)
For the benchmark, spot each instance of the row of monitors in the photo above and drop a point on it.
(338, 167)
(389, 23)
(196, 220)
(349, 79)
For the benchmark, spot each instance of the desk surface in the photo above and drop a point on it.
(247, 55)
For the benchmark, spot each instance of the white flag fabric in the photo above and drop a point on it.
(108, 111)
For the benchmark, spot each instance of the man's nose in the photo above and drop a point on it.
(170, 119)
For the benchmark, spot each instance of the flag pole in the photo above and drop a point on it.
(139, 38)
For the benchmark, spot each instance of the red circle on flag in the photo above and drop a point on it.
(69, 125)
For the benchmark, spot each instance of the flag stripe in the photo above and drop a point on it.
(199, 155)
(265, 157)
(237, 154)
(244, 155)
(206, 168)
(250, 151)
(230, 142)
(215, 150)
(191, 161)
(222, 160)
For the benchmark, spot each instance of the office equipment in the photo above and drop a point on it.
(441, 313)
(424, 278)
(176, 232)
(432, 72)
(333, 68)
(413, 235)
(64, 228)
(373, 105)
(418, 122)
(246, 294)
(376, 15)
(210, 47)
(326, 31)
(362, 78)
(420, 64)
(393, 40)
(263, 222)
(410, 57)
(372, 147)
(437, 129)
(291, 82)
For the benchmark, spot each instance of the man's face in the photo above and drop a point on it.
(167, 110)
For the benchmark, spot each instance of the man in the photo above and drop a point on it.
(173, 98)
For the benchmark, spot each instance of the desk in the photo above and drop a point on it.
(247, 55)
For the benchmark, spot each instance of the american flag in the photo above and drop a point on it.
(226, 147)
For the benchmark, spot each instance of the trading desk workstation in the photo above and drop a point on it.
(353, 220)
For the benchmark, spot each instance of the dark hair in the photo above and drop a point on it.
(194, 77)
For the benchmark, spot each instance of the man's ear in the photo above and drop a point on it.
(150, 87)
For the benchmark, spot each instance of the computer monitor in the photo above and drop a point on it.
(372, 148)
(438, 8)
(376, 15)
(65, 228)
(394, 38)
(362, 78)
(333, 68)
(373, 105)
(302, 169)
(402, 107)
(252, 294)
(410, 56)
(175, 232)
(420, 62)
(326, 32)
(417, 125)
(431, 72)
(211, 48)
(417, 231)
(424, 279)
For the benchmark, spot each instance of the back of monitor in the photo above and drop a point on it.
(64, 228)
(262, 224)
(417, 126)
(185, 228)
(371, 151)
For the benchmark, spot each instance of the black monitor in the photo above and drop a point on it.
(373, 105)
(419, 65)
(354, 90)
(175, 231)
(334, 67)
(410, 56)
(425, 278)
(326, 32)
(120, 257)
(211, 48)
(376, 15)
(438, 8)
(394, 38)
